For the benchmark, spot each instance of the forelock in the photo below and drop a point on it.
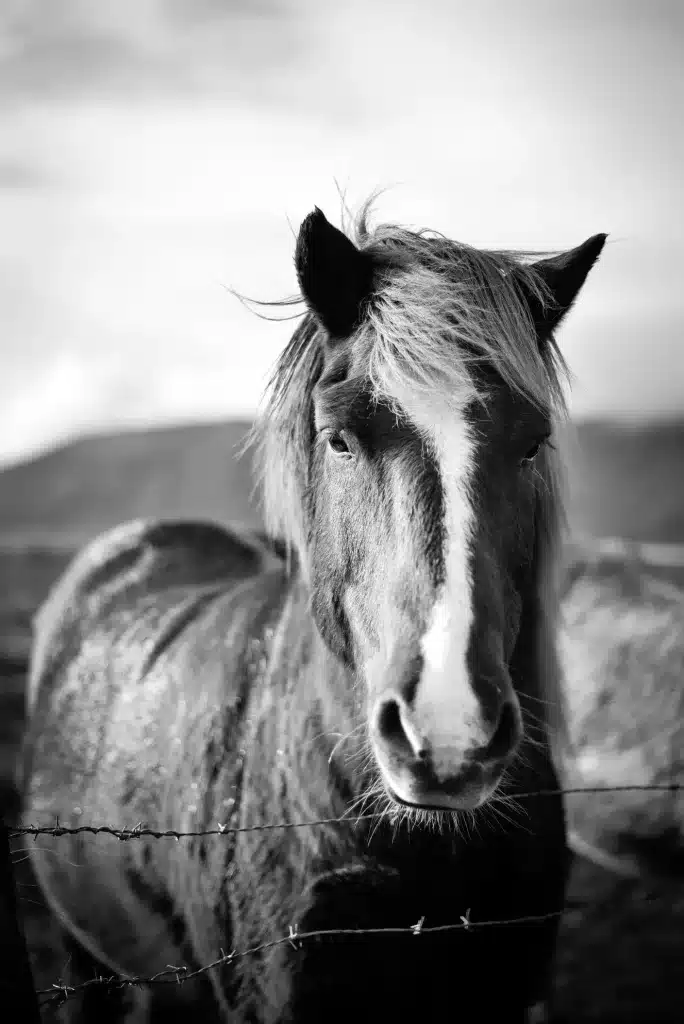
(440, 309)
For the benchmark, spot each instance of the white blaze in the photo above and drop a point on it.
(446, 709)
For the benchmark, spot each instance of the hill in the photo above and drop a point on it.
(628, 481)
(65, 496)
(623, 481)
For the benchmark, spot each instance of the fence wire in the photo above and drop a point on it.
(60, 992)
(140, 832)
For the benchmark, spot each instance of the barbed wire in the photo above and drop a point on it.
(139, 831)
(60, 991)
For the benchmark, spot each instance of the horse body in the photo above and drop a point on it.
(393, 661)
(138, 617)
(134, 717)
(622, 647)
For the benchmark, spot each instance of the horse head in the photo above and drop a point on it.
(411, 468)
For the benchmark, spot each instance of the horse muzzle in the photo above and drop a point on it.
(434, 773)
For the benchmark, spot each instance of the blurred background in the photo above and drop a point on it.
(156, 153)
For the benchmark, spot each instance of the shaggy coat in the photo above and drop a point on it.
(387, 669)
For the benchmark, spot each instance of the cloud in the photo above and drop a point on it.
(20, 175)
(151, 152)
(138, 47)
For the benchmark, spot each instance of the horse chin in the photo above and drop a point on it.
(453, 797)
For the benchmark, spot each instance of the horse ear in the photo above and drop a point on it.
(563, 276)
(334, 276)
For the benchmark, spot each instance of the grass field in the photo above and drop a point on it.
(621, 957)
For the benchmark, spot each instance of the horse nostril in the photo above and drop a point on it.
(397, 733)
(506, 733)
(389, 722)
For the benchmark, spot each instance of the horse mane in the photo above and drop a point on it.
(551, 525)
(433, 297)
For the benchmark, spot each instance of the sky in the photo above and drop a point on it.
(155, 154)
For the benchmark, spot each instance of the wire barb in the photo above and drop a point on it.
(139, 832)
(60, 992)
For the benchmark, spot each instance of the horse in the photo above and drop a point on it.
(621, 643)
(379, 668)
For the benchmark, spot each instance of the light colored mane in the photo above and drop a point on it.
(443, 306)
(438, 309)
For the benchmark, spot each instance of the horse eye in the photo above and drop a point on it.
(531, 455)
(337, 443)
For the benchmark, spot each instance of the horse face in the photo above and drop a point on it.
(423, 529)
(422, 515)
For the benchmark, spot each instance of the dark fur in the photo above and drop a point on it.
(183, 676)
(273, 740)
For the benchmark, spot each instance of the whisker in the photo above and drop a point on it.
(33, 903)
(343, 739)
